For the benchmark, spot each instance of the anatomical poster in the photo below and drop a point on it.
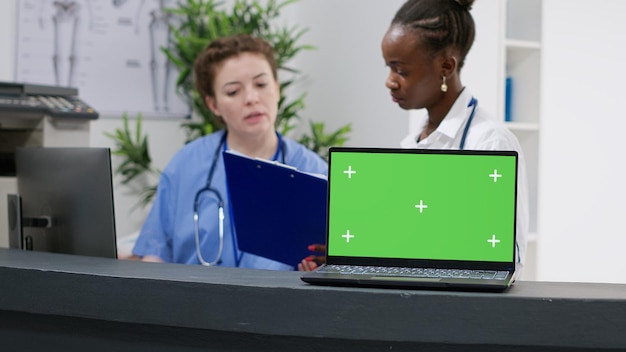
(111, 50)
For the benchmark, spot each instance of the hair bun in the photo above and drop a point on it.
(466, 4)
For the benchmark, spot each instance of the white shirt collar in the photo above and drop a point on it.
(447, 129)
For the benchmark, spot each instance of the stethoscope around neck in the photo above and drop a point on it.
(222, 147)
(473, 104)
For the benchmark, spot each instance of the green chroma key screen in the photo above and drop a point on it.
(422, 206)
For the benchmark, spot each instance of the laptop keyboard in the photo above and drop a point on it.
(416, 272)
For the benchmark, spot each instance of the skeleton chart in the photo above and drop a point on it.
(109, 49)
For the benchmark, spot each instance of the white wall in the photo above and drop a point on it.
(582, 174)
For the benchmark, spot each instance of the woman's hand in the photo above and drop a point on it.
(152, 259)
(311, 262)
(306, 265)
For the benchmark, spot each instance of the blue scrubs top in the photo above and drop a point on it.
(168, 231)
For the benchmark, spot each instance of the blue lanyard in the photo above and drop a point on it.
(473, 103)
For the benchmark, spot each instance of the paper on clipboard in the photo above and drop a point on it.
(277, 210)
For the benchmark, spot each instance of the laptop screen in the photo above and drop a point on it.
(446, 205)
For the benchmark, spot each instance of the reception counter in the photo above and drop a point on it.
(65, 302)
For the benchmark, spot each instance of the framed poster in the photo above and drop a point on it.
(109, 49)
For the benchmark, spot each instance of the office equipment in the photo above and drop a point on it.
(37, 116)
(67, 201)
(277, 210)
(420, 218)
(57, 102)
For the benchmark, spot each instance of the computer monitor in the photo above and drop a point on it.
(66, 197)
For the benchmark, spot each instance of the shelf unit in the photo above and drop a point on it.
(522, 45)
(522, 65)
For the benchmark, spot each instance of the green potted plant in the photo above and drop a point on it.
(197, 23)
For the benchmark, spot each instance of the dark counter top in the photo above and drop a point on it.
(109, 301)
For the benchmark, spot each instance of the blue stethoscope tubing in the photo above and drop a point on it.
(222, 147)
(220, 210)
(473, 104)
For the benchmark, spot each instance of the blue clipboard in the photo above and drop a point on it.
(277, 211)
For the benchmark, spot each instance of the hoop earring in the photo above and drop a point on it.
(444, 86)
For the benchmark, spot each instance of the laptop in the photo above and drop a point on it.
(416, 218)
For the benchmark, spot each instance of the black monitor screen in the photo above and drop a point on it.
(67, 200)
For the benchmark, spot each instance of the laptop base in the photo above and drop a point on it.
(395, 282)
